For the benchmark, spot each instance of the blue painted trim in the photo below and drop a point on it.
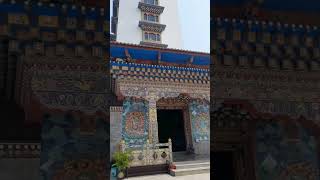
(129, 65)
(11, 8)
(259, 27)
(152, 55)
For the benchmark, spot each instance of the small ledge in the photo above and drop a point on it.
(113, 37)
(114, 19)
(150, 8)
(116, 3)
(145, 43)
(151, 26)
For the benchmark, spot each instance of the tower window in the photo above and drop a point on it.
(150, 17)
(146, 36)
(154, 2)
(152, 37)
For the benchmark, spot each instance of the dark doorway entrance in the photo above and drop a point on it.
(223, 168)
(170, 125)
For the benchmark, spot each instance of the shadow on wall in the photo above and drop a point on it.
(13, 126)
(67, 145)
(285, 152)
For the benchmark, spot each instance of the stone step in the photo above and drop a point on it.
(192, 165)
(193, 161)
(189, 171)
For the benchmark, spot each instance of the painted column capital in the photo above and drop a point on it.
(152, 97)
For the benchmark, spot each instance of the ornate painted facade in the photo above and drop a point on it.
(147, 79)
(265, 91)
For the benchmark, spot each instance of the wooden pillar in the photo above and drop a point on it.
(170, 150)
(153, 123)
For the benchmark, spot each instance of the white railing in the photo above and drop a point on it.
(149, 154)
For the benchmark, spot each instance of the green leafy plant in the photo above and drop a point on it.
(122, 160)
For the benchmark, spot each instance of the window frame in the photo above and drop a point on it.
(152, 37)
(152, 2)
(146, 17)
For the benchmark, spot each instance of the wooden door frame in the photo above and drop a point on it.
(180, 104)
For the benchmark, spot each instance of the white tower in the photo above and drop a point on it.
(147, 22)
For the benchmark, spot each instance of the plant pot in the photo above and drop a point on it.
(121, 174)
(114, 171)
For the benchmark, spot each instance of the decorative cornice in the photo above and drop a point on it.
(150, 26)
(56, 50)
(294, 48)
(153, 44)
(88, 94)
(151, 8)
(271, 63)
(20, 150)
(158, 73)
(181, 51)
(181, 101)
(116, 108)
(262, 25)
(31, 23)
(157, 90)
(291, 17)
(200, 60)
(266, 76)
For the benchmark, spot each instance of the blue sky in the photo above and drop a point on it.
(195, 24)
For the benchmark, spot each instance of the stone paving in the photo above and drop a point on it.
(205, 176)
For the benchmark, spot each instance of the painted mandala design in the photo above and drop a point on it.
(135, 124)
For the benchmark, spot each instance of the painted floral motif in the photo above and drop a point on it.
(200, 117)
(85, 90)
(202, 122)
(135, 122)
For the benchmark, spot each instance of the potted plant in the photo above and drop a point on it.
(172, 166)
(122, 160)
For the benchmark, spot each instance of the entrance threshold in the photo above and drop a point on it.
(188, 164)
(187, 156)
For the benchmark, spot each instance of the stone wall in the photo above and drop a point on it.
(115, 128)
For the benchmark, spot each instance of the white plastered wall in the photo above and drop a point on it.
(129, 16)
